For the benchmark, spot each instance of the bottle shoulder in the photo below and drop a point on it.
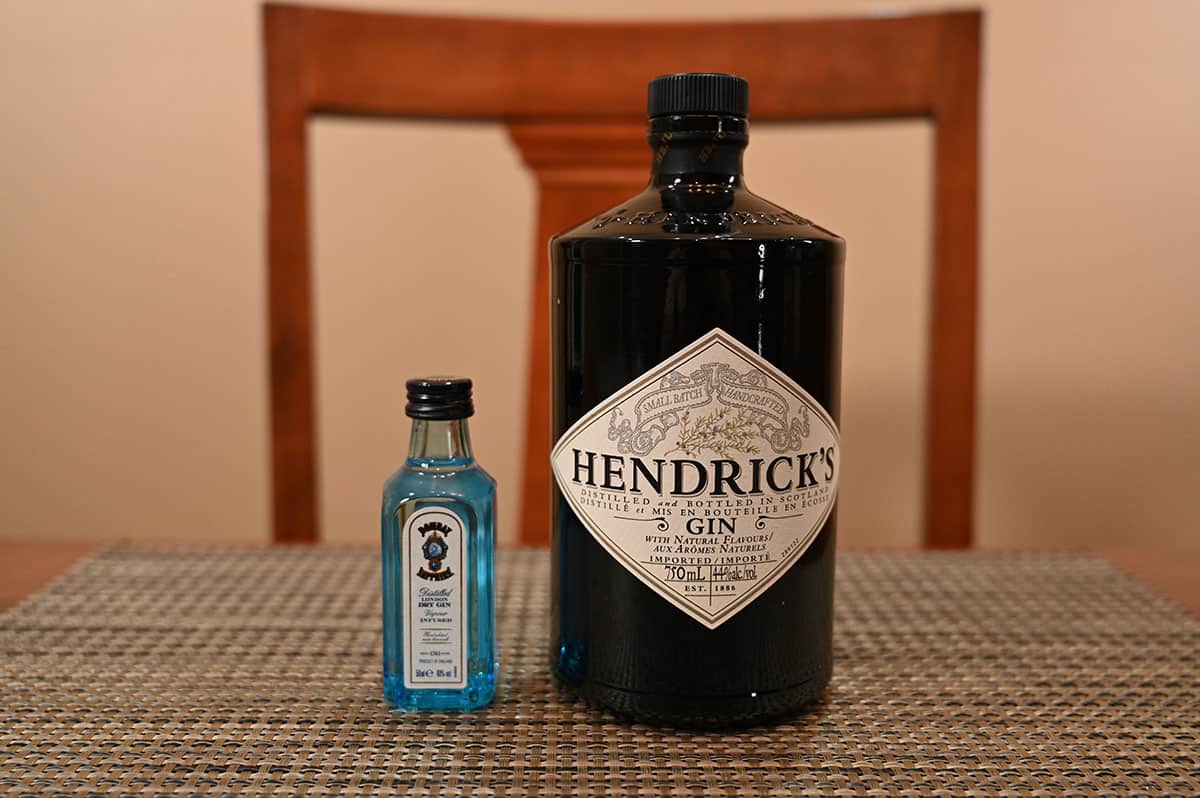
(469, 483)
(698, 211)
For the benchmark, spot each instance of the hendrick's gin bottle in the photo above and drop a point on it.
(697, 336)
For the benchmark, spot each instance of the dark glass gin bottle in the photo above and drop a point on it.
(438, 542)
(696, 363)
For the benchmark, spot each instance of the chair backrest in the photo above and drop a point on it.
(573, 98)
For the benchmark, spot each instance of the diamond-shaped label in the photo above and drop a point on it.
(707, 477)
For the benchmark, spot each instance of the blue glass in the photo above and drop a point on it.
(441, 472)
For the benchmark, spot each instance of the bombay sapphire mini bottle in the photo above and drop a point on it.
(438, 541)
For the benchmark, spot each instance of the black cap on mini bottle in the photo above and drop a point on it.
(439, 398)
(699, 93)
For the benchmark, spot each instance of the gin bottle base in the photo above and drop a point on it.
(707, 712)
(478, 693)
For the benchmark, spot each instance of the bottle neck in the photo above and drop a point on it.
(440, 443)
(691, 150)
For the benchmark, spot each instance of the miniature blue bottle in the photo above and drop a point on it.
(438, 536)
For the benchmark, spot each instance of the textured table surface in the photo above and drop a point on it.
(152, 671)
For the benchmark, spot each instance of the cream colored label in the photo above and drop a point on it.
(707, 477)
(435, 629)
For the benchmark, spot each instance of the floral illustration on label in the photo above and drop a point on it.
(707, 477)
(745, 404)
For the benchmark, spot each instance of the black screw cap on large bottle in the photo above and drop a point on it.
(706, 93)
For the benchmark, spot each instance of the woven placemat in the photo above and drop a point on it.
(150, 671)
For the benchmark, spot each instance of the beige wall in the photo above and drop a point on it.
(132, 296)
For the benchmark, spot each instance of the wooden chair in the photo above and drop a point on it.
(573, 97)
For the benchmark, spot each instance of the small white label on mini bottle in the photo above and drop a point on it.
(435, 629)
(707, 477)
